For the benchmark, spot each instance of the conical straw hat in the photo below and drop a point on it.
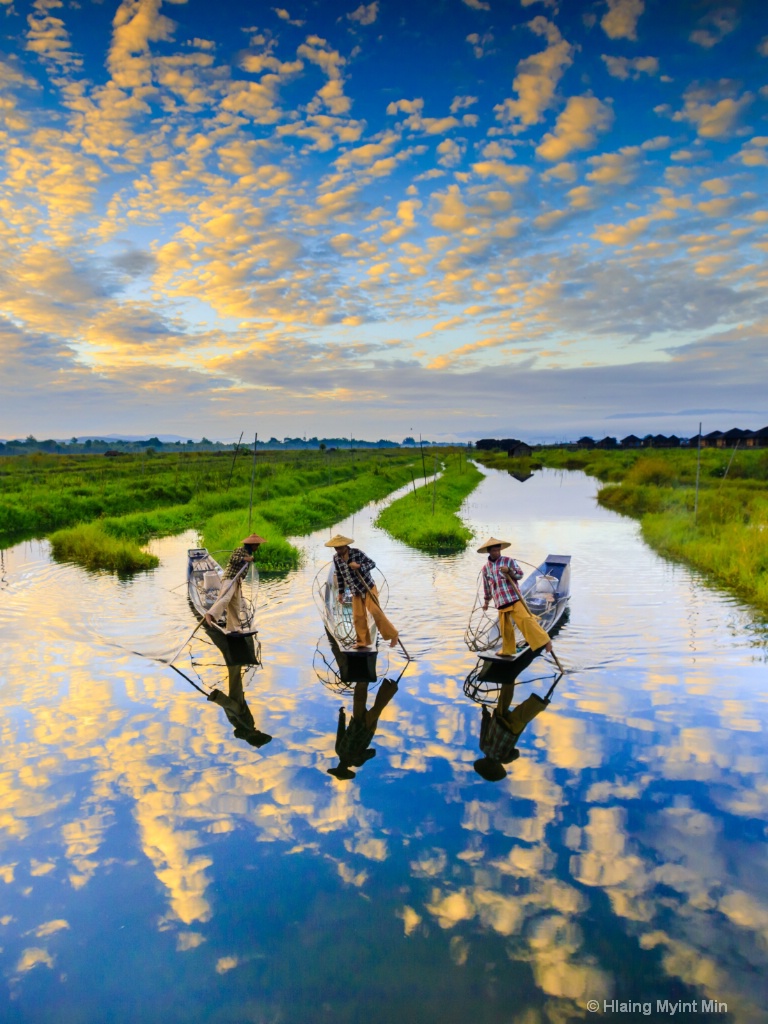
(491, 543)
(339, 541)
(254, 538)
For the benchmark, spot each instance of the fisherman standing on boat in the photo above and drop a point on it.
(353, 574)
(500, 575)
(231, 584)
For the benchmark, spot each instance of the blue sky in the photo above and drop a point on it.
(457, 218)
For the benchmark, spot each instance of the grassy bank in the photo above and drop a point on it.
(88, 545)
(111, 508)
(726, 537)
(426, 519)
(303, 513)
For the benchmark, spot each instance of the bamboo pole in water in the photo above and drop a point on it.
(698, 472)
(234, 456)
(253, 476)
(730, 463)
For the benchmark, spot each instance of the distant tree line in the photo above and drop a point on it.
(113, 446)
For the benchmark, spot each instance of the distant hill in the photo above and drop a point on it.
(165, 438)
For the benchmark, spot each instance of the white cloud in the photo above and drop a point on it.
(714, 27)
(714, 115)
(630, 67)
(537, 77)
(365, 14)
(620, 20)
(619, 168)
(577, 127)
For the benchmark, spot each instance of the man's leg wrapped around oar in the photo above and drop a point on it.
(518, 615)
(507, 631)
(230, 598)
(369, 602)
(534, 635)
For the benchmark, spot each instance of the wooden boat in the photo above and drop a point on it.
(546, 591)
(336, 613)
(204, 582)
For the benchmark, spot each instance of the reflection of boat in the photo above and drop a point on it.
(546, 591)
(339, 669)
(336, 609)
(204, 585)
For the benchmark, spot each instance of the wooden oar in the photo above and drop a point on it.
(521, 598)
(378, 603)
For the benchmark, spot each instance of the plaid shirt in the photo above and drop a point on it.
(237, 560)
(495, 583)
(347, 578)
(497, 740)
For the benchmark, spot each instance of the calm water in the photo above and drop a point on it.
(155, 867)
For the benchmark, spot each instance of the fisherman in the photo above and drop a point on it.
(353, 741)
(353, 573)
(230, 597)
(500, 575)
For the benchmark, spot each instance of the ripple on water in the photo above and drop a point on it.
(141, 826)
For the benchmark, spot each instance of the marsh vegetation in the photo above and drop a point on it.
(103, 511)
(426, 518)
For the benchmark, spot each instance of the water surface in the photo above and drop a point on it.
(155, 866)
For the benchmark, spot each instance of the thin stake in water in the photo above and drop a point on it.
(253, 476)
(234, 456)
(698, 472)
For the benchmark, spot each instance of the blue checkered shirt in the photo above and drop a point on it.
(349, 579)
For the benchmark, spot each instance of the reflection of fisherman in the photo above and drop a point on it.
(237, 711)
(353, 741)
(230, 597)
(500, 731)
(500, 575)
(353, 573)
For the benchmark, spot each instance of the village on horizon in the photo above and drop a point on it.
(114, 444)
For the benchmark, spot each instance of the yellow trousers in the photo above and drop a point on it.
(518, 615)
(361, 605)
(231, 600)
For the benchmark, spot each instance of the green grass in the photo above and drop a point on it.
(126, 502)
(304, 513)
(426, 519)
(88, 545)
(725, 537)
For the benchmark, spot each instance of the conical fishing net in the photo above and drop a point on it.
(336, 609)
(539, 592)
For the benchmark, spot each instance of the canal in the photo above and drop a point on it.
(155, 865)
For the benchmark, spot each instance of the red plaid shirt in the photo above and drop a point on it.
(495, 583)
